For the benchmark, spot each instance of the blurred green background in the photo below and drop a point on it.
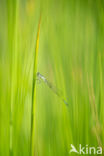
(70, 56)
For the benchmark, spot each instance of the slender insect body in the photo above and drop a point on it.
(54, 89)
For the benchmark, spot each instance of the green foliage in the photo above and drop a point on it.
(71, 56)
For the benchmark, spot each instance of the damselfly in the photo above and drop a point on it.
(52, 87)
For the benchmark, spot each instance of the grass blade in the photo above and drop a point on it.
(34, 93)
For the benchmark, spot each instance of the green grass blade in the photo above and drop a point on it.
(34, 94)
